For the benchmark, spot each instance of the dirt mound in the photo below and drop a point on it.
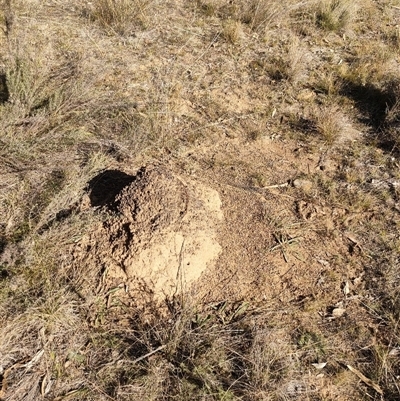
(159, 236)
(156, 200)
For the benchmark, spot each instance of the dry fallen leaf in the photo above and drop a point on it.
(346, 288)
(46, 385)
(319, 365)
(394, 352)
(351, 236)
(357, 281)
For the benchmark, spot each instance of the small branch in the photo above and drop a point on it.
(276, 186)
(161, 347)
(365, 379)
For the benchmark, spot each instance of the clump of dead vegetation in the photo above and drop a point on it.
(121, 17)
(335, 15)
(290, 66)
(391, 125)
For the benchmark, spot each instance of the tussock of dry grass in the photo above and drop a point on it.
(121, 16)
(329, 123)
(291, 65)
(259, 14)
(392, 119)
(336, 15)
(369, 65)
(232, 31)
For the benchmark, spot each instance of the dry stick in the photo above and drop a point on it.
(98, 389)
(4, 383)
(276, 186)
(179, 274)
(8, 18)
(4, 375)
(365, 379)
(161, 347)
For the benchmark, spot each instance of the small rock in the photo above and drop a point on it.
(306, 94)
(338, 312)
(305, 185)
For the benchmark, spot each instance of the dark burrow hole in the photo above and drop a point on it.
(3, 242)
(104, 188)
(4, 94)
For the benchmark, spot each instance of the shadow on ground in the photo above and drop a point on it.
(4, 94)
(380, 109)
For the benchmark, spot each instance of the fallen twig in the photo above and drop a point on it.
(161, 347)
(276, 186)
(365, 379)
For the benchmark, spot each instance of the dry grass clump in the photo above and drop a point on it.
(376, 95)
(383, 282)
(209, 8)
(45, 102)
(232, 31)
(328, 83)
(35, 88)
(391, 125)
(205, 353)
(6, 17)
(41, 327)
(335, 15)
(271, 363)
(367, 66)
(395, 38)
(291, 65)
(329, 123)
(259, 14)
(121, 16)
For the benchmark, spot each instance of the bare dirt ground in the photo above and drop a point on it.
(199, 200)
